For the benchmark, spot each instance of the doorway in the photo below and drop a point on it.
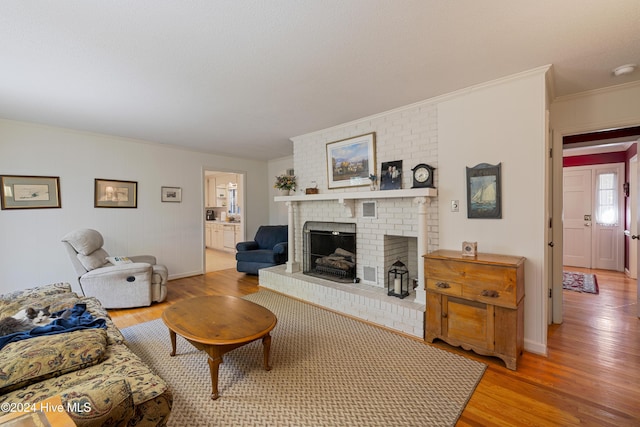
(602, 142)
(594, 217)
(224, 225)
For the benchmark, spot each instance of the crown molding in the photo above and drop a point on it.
(588, 93)
(433, 101)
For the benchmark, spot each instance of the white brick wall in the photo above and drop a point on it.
(409, 134)
(357, 300)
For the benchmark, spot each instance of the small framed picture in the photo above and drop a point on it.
(171, 194)
(30, 192)
(391, 175)
(484, 193)
(469, 249)
(110, 193)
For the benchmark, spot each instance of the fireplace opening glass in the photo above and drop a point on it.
(330, 250)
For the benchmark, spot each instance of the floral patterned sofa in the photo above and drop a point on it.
(99, 380)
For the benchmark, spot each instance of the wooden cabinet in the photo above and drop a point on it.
(213, 235)
(207, 235)
(222, 236)
(476, 303)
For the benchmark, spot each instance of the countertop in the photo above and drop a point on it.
(217, 221)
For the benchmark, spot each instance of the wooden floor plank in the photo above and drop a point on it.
(591, 376)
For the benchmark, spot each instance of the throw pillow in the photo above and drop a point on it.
(84, 241)
(119, 260)
(95, 260)
(35, 359)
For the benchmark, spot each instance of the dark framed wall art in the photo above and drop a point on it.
(484, 191)
(391, 175)
(30, 192)
(110, 193)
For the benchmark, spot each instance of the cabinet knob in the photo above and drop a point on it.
(444, 315)
(490, 293)
(442, 285)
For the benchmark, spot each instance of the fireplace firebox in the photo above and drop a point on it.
(330, 250)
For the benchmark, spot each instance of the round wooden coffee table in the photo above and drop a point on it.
(217, 325)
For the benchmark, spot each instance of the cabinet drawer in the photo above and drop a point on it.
(444, 287)
(492, 284)
(496, 293)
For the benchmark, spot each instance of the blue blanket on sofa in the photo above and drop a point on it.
(77, 318)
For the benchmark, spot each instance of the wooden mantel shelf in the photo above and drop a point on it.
(368, 195)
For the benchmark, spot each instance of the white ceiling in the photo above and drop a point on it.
(240, 77)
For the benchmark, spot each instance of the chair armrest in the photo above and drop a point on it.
(247, 246)
(149, 259)
(115, 271)
(281, 248)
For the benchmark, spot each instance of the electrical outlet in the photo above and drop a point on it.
(455, 206)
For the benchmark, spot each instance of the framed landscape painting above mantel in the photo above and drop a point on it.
(350, 161)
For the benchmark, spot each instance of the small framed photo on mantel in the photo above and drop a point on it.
(391, 175)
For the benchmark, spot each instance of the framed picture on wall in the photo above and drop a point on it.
(484, 191)
(30, 192)
(350, 161)
(111, 193)
(171, 194)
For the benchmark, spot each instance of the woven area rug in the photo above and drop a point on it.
(580, 282)
(327, 370)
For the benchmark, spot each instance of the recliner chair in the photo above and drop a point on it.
(268, 248)
(137, 282)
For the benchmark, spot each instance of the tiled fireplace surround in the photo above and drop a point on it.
(405, 226)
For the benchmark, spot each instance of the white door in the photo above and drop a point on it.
(608, 221)
(577, 216)
(636, 237)
(633, 225)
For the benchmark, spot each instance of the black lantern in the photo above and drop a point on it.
(398, 280)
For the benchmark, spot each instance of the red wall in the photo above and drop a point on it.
(596, 159)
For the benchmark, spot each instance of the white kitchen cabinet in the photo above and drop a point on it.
(210, 192)
(229, 237)
(208, 230)
(217, 236)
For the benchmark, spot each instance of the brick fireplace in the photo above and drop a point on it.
(399, 230)
(404, 222)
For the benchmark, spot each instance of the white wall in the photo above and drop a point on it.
(278, 211)
(501, 122)
(608, 108)
(31, 253)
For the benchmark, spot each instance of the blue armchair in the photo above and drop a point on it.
(268, 248)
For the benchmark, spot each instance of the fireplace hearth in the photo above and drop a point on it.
(330, 250)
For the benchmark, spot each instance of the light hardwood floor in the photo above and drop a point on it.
(219, 260)
(591, 376)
